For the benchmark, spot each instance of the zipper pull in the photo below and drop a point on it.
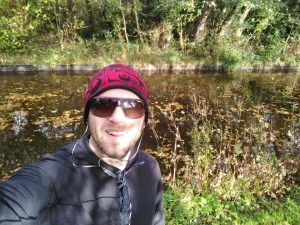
(108, 172)
(138, 164)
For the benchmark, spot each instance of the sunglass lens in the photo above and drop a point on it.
(136, 110)
(103, 107)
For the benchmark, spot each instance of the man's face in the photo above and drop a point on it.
(114, 136)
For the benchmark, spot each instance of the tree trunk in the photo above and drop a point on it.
(242, 19)
(90, 15)
(181, 39)
(226, 28)
(124, 24)
(137, 23)
(58, 23)
(200, 32)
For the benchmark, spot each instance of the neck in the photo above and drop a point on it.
(115, 162)
(118, 163)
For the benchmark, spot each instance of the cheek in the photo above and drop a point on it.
(140, 122)
(138, 126)
(95, 122)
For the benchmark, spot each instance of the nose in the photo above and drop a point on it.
(117, 116)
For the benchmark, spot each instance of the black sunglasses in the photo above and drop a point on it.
(104, 107)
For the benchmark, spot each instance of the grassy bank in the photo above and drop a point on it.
(93, 52)
(183, 206)
(105, 52)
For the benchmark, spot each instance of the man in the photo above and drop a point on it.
(102, 178)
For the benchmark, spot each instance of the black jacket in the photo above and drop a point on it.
(55, 192)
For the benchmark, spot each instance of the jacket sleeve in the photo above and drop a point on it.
(159, 213)
(27, 192)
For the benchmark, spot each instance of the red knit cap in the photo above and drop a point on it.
(116, 76)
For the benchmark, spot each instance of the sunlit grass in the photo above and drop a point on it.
(231, 56)
(183, 206)
(92, 52)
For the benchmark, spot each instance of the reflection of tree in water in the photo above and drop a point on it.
(38, 114)
(20, 121)
(51, 131)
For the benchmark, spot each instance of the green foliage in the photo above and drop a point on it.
(272, 25)
(178, 12)
(185, 205)
(228, 53)
(234, 33)
(21, 22)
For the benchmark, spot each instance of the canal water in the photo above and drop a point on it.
(39, 112)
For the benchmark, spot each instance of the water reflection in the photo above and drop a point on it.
(19, 122)
(41, 112)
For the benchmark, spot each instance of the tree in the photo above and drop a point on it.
(236, 19)
(201, 21)
(179, 14)
(124, 23)
(225, 30)
(135, 3)
(21, 22)
(91, 21)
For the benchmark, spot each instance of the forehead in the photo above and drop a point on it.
(118, 93)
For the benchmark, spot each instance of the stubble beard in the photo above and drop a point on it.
(104, 148)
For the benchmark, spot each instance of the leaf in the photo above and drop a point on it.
(70, 135)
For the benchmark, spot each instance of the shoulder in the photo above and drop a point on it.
(144, 156)
(149, 161)
(62, 155)
(50, 165)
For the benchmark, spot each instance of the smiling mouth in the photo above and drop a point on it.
(116, 133)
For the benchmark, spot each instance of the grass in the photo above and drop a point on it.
(183, 205)
(91, 52)
(231, 55)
